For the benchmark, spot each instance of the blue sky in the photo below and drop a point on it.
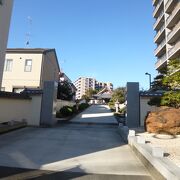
(111, 40)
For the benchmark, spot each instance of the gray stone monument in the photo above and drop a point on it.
(48, 107)
(133, 105)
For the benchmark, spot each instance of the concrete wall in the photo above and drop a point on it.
(5, 16)
(145, 108)
(61, 103)
(18, 77)
(50, 70)
(19, 109)
(49, 102)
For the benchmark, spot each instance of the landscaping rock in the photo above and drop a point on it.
(166, 121)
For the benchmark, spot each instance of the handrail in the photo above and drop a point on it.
(173, 13)
(160, 46)
(171, 33)
(174, 48)
(157, 7)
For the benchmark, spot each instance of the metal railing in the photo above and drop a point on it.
(161, 60)
(171, 16)
(159, 47)
(159, 32)
(174, 49)
(173, 31)
(157, 7)
(158, 19)
(168, 3)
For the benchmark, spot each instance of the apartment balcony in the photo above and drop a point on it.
(159, 21)
(158, 9)
(174, 34)
(174, 52)
(173, 17)
(160, 35)
(155, 2)
(169, 6)
(161, 49)
(161, 61)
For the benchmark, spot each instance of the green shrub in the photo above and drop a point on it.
(66, 111)
(155, 101)
(123, 110)
(171, 99)
(83, 106)
(75, 109)
(58, 115)
(111, 105)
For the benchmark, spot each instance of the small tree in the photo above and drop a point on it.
(171, 83)
(64, 91)
(118, 94)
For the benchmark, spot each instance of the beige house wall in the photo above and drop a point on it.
(5, 16)
(18, 77)
(21, 109)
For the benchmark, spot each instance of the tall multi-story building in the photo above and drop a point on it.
(167, 27)
(5, 16)
(83, 84)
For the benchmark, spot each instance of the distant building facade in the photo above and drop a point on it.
(5, 16)
(167, 27)
(29, 68)
(83, 84)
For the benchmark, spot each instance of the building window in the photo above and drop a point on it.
(2, 88)
(8, 65)
(28, 65)
(17, 90)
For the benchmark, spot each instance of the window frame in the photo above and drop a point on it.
(9, 69)
(26, 65)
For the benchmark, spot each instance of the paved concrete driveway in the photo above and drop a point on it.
(70, 151)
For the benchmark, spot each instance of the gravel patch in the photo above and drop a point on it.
(169, 143)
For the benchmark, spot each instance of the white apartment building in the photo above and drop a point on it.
(5, 16)
(83, 84)
(167, 27)
(29, 68)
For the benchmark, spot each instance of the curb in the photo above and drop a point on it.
(159, 167)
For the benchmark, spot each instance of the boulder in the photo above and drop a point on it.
(166, 121)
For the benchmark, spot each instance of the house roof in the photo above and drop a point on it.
(28, 50)
(33, 50)
(151, 94)
(12, 95)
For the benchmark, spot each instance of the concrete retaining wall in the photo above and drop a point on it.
(61, 103)
(21, 109)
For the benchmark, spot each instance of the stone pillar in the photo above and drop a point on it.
(5, 16)
(133, 106)
(49, 101)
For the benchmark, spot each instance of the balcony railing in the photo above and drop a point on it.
(158, 19)
(160, 61)
(174, 30)
(154, 1)
(157, 8)
(160, 46)
(174, 49)
(168, 3)
(171, 16)
(159, 33)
